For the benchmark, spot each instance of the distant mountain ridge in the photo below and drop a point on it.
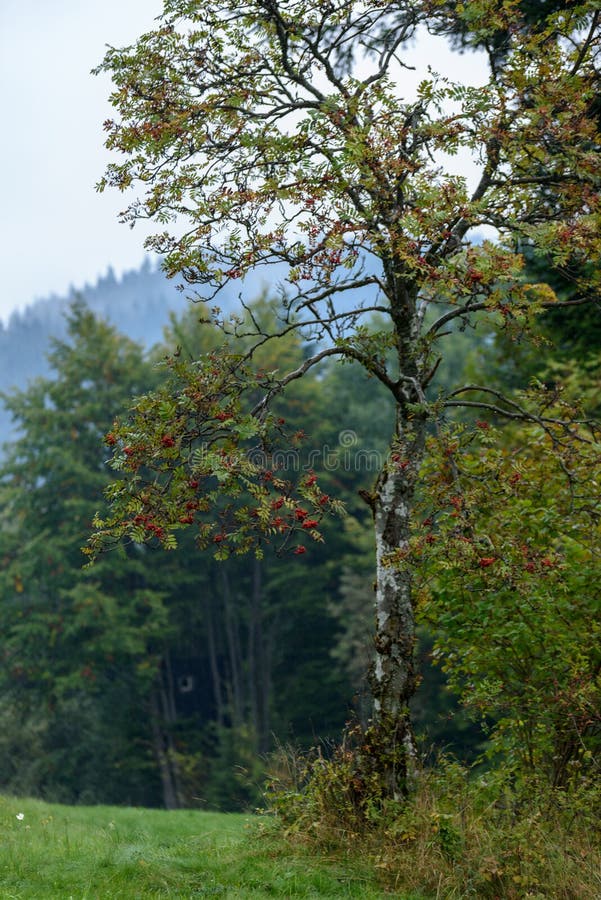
(138, 304)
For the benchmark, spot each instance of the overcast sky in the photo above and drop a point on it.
(55, 230)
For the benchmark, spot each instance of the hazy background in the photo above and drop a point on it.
(55, 230)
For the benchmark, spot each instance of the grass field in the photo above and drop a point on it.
(50, 852)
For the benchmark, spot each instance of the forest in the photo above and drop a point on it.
(341, 536)
(215, 661)
(167, 680)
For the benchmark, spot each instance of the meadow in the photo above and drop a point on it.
(53, 852)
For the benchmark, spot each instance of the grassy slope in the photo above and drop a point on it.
(87, 853)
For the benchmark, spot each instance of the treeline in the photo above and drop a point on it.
(137, 304)
(159, 678)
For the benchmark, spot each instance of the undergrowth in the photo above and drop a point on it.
(457, 836)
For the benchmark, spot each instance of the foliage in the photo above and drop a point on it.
(511, 580)
(210, 90)
(249, 641)
(201, 447)
(284, 647)
(51, 477)
(73, 645)
(566, 351)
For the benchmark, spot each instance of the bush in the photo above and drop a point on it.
(456, 836)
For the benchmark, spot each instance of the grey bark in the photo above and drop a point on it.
(393, 678)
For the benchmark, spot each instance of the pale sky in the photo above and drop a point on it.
(56, 231)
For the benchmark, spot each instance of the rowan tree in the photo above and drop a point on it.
(279, 135)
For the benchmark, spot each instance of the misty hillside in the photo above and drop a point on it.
(138, 304)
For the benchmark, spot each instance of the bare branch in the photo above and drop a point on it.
(585, 46)
(517, 412)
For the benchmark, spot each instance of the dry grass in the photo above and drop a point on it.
(457, 837)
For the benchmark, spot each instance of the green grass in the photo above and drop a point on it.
(87, 853)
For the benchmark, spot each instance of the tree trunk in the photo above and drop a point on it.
(236, 685)
(162, 750)
(258, 663)
(213, 661)
(393, 677)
